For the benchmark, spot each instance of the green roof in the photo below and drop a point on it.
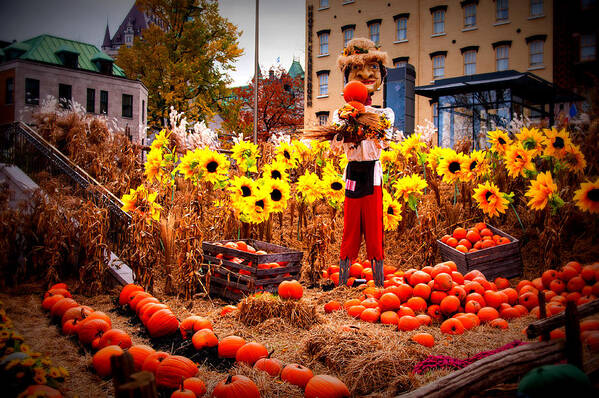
(45, 48)
(101, 56)
(296, 70)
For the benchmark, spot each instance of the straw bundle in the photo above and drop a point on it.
(255, 310)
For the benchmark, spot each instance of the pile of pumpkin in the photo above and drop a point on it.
(457, 302)
(203, 338)
(474, 239)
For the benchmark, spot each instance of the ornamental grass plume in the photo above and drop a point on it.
(489, 199)
(587, 196)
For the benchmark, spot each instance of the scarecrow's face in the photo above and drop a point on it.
(369, 75)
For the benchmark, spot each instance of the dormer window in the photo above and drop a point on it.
(69, 57)
(15, 50)
(103, 62)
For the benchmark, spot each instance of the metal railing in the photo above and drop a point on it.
(22, 146)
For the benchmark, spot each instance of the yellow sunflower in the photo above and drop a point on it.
(575, 159)
(411, 145)
(161, 139)
(475, 165)
(540, 191)
(391, 214)
(451, 166)
(343, 161)
(557, 142)
(245, 154)
(287, 154)
(409, 186)
(152, 166)
(275, 170)
(518, 160)
(278, 190)
(241, 189)
(587, 197)
(532, 140)
(213, 166)
(301, 148)
(387, 159)
(309, 187)
(142, 202)
(189, 164)
(499, 140)
(258, 208)
(334, 188)
(489, 199)
(435, 155)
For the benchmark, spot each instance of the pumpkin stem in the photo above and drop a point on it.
(182, 380)
(229, 379)
(270, 354)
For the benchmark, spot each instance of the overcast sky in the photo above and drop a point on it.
(281, 26)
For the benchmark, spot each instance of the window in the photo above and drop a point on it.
(324, 3)
(501, 10)
(127, 105)
(470, 16)
(91, 100)
(104, 102)
(536, 53)
(588, 47)
(375, 29)
(439, 22)
(323, 118)
(323, 83)
(64, 95)
(401, 32)
(399, 64)
(502, 55)
(436, 115)
(536, 8)
(10, 91)
(348, 34)
(324, 43)
(32, 91)
(143, 111)
(469, 62)
(438, 66)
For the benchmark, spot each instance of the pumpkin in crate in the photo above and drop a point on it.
(250, 353)
(173, 369)
(228, 346)
(326, 386)
(236, 386)
(140, 352)
(101, 359)
(162, 323)
(192, 324)
(153, 360)
(116, 337)
(291, 290)
(90, 329)
(126, 292)
(296, 374)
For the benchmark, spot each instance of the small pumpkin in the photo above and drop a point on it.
(183, 392)
(61, 291)
(162, 323)
(70, 327)
(296, 374)
(236, 386)
(172, 369)
(152, 361)
(196, 385)
(148, 310)
(90, 329)
(251, 352)
(137, 297)
(50, 301)
(61, 306)
(126, 292)
(79, 313)
(228, 346)
(140, 352)
(227, 309)
(115, 337)
(204, 338)
(98, 315)
(272, 366)
(101, 359)
(192, 324)
(60, 285)
(326, 386)
(143, 302)
(291, 290)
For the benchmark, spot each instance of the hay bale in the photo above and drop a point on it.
(255, 310)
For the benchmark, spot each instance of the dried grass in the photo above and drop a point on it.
(255, 310)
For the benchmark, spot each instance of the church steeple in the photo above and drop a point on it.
(107, 43)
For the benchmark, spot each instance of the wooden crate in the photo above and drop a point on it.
(503, 260)
(225, 280)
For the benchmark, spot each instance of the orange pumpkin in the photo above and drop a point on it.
(162, 323)
(291, 290)
(228, 346)
(196, 385)
(61, 306)
(204, 338)
(49, 301)
(140, 352)
(126, 292)
(236, 386)
(116, 337)
(152, 361)
(452, 326)
(101, 359)
(251, 352)
(272, 366)
(296, 374)
(40, 390)
(192, 324)
(173, 369)
(90, 329)
(326, 386)
(425, 339)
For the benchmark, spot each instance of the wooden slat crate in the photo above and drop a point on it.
(503, 260)
(225, 279)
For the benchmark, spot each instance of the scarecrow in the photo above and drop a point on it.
(362, 131)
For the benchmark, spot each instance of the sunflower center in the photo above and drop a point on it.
(454, 167)
(488, 195)
(245, 191)
(593, 195)
(275, 175)
(501, 141)
(390, 211)
(336, 186)
(212, 166)
(559, 143)
(287, 155)
(260, 204)
(529, 144)
(276, 195)
(473, 165)
(519, 157)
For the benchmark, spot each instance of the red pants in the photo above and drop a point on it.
(363, 216)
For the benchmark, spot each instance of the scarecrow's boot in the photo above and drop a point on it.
(377, 270)
(343, 272)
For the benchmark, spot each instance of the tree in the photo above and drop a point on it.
(184, 62)
(280, 103)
